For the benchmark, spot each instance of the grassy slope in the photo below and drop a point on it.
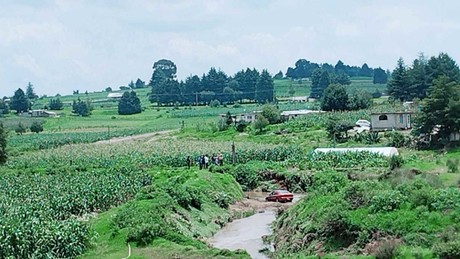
(190, 222)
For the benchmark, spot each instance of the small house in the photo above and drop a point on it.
(114, 95)
(42, 113)
(301, 99)
(248, 116)
(391, 120)
(287, 115)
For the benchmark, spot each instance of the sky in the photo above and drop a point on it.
(88, 45)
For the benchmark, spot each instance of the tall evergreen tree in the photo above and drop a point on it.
(190, 90)
(419, 77)
(30, 92)
(264, 88)
(4, 108)
(158, 78)
(399, 84)
(139, 84)
(81, 108)
(441, 108)
(442, 65)
(319, 81)
(3, 142)
(19, 101)
(380, 76)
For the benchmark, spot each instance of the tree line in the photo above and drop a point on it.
(247, 85)
(306, 69)
(435, 81)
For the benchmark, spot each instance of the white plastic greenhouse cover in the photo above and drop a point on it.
(385, 151)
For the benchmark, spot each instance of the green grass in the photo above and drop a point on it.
(186, 223)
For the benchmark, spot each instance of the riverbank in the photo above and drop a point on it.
(248, 233)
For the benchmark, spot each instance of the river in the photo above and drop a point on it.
(246, 233)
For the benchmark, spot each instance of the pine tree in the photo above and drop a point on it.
(399, 84)
(264, 88)
(19, 101)
(441, 108)
(320, 80)
(30, 92)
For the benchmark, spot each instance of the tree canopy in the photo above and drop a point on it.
(248, 85)
(81, 108)
(304, 69)
(19, 101)
(335, 98)
(55, 104)
(407, 83)
(129, 104)
(31, 95)
(441, 108)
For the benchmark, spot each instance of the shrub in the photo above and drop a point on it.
(329, 182)
(246, 176)
(214, 103)
(387, 249)
(20, 128)
(145, 234)
(222, 124)
(222, 199)
(397, 139)
(260, 123)
(452, 165)
(387, 200)
(271, 113)
(241, 126)
(36, 127)
(448, 250)
(396, 161)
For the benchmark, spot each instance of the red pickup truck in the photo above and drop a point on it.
(280, 196)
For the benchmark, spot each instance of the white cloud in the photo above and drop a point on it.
(63, 45)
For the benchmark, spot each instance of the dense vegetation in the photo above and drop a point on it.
(61, 195)
(403, 215)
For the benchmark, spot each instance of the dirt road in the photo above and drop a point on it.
(147, 137)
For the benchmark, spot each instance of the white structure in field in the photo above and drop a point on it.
(384, 151)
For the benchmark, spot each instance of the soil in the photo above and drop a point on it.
(148, 137)
(255, 201)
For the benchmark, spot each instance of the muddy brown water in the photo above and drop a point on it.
(246, 233)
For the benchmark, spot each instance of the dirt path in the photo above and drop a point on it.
(148, 137)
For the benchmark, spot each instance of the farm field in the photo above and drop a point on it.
(63, 194)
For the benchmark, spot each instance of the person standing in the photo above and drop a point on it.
(206, 161)
(220, 159)
(189, 162)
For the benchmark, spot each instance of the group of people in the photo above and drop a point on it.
(204, 161)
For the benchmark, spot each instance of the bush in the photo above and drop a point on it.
(260, 123)
(387, 200)
(241, 126)
(36, 127)
(387, 249)
(246, 176)
(144, 234)
(20, 128)
(397, 139)
(450, 249)
(214, 103)
(396, 161)
(271, 113)
(452, 165)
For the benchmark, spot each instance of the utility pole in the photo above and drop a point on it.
(233, 153)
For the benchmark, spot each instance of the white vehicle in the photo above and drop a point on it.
(363, 123)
